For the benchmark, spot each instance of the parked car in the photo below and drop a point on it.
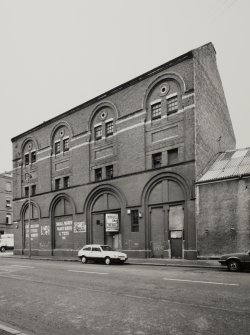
(236, 262)
(102, 253)
(6, 242)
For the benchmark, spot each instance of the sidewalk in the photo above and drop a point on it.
(197, 263)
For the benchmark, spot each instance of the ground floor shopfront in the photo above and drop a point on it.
(145, 217)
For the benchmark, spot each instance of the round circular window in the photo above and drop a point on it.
(61, 133)
(103, 115)
(30, 146)
(164, 89)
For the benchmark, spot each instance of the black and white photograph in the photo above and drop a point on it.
(125, 167)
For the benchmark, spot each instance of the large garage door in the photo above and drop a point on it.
(157, 232)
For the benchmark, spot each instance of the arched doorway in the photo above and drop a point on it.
(62, 224)
(105, 221)
(165, 202)
(31, 222)
(105, 212)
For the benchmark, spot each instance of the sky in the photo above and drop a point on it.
(57, 54)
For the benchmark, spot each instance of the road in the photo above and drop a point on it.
(70, 298)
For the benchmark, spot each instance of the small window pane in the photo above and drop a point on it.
(8, 218)
(173, 156)
(156, 111)
(26, 191)
(57, 184)
(33, 157)
(57, 148)
(156, 160)
(33, 189)
(66, 144)
(109, 128)
(27, 159)
(109, 172)
(98, 132)
(172, 104)
(66, 182)
(98, 174)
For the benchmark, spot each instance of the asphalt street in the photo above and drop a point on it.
(47, 297)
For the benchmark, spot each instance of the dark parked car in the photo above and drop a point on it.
(236, 262)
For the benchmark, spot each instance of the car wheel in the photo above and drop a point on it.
(84, 260)
(233, 265)
(107, 261)
(2, 249)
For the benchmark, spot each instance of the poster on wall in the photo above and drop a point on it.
(176, 218)
(45, 230)
(63, 229)
(112, 222)
(79, 227)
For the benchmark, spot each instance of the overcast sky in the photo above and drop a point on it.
(57, 54)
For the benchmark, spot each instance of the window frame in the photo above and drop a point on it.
(172, 101)
(26, 191)
(97, 129)
(57, 184)
(65, 147)
(66, 184)
(134, 220)
(33, 156)
(109, 168)
(172, 151)
(156, 165)
(57, 146)
(156, 112)
(96, 172)
(8, 218)
(109, 125)
(26, 159)
(33, 190)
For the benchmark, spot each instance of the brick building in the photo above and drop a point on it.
(6, 210)
(222, 203)
(120, 169)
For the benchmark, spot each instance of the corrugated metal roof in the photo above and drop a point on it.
(228, 164)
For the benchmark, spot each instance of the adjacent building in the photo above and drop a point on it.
(223, 204)
(6, 210)
(120, 169)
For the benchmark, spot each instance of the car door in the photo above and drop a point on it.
(247, 260)
(87, 252)
(96, 253)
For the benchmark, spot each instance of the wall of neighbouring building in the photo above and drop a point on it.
(223, 217)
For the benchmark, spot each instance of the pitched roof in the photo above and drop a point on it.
(229, 164)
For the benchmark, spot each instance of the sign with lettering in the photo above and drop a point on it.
(64, 228)
(33, 230)
(45, 230)
(79, 227)
(112, 222)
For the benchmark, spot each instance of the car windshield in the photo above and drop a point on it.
(106, 248)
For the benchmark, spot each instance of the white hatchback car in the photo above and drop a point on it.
(104, 253)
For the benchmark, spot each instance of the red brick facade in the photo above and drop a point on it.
(134, 152)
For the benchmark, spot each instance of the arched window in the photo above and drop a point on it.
(63, 224)
(29, 153)
(31, 221)
(61, 141)
(164, 99)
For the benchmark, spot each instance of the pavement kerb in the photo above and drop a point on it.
(180, 265)
(131, 262)
(10, 330)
